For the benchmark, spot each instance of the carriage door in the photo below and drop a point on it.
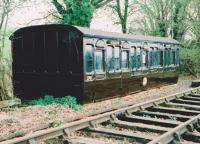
(177, 57)
(89, 72)
(144, 56)
(161, 57)
(157, 57)
(144, 59)
(151, 58)
(125, 67)
(138, 58)
(173, 57)
(113, 81)
(99, 70)
(133, 59)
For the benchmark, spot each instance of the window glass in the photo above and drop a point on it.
(165, 56)
(144, 57)
(156, 60)
(138, 57)
(89, 59)
(132, 58)
(110, 58)
(99, 61)
(124, 59)
(117, 58)
(158, 56)
(147, 59)
(153, 56)
(161, 58)
(151, 53)
(173, 57)
(169, 57)
(177, 56)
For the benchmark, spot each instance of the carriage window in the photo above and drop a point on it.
(117, 58)
(124, 59)
(161, 58)
(165, 56)
(173, 57)
(138, 57)
(156, 54)
(109, 58)
(144, 57)
(89, 59)
(151, 53)
(169, 57)
(99, 61)
(132, 58)
(177, 56)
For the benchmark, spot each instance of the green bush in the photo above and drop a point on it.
(190, 60)
(48, 100)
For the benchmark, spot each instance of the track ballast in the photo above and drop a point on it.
(170, 119)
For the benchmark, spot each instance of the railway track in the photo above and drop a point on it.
(170, 119)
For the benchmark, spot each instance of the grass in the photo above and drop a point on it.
(49, 100)
(57, 123)
(109, 126)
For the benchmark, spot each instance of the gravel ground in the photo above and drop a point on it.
(20, 121)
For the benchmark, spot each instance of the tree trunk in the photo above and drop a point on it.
(124, 29)
(6, 90)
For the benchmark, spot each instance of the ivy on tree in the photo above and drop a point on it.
(77, 12)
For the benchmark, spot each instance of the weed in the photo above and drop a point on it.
(57, 123)
(109, 126)
(173, 118)
(147, 116)
(126, 141)
(49, 113)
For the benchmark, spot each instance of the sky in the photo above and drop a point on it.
(33, 12)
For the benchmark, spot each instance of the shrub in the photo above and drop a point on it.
(190, 60)
(48, 100)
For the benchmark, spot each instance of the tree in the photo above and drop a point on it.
(164, 17)
(190, 57)
(156, 16)
(4, 12)
(77, 12)
(6, 7)
(123, 12)
(194, 18)
(179, 18)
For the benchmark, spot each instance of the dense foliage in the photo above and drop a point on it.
(190, 61)
(77, 12)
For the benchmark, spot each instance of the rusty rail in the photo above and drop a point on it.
(165, 116)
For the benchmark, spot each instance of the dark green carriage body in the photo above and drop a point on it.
(63, 60)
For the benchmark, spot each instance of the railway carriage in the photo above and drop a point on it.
(91, 65)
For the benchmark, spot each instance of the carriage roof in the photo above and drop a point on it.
(101, 34)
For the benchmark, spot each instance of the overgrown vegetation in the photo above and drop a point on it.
(190, 61)
(48, 100)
